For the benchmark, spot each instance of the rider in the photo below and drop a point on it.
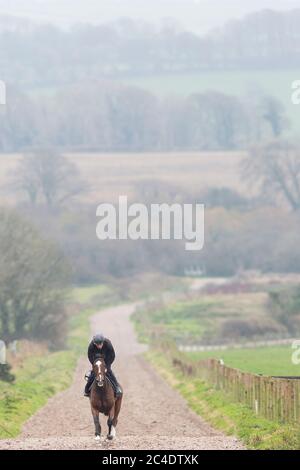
(102, 346)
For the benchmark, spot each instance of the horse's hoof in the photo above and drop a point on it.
(97, 438)
(112, 433)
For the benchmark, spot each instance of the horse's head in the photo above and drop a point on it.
(99, 369)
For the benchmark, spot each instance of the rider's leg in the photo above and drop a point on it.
(89, 383)
(113, 379)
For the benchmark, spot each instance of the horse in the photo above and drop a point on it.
(103, 400)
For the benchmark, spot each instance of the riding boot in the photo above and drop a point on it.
(117, 389)
(89, 384)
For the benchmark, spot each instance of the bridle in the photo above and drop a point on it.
(100, 371)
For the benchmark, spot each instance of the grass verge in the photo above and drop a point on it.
(38, 379)
(219, 410)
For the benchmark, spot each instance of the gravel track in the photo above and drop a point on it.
(153, 415)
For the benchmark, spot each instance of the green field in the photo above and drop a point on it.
(201, 318)
(94, 296)
(263, 360)
(235, 82)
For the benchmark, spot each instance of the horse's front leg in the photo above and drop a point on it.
(110, 423)
(95, 414)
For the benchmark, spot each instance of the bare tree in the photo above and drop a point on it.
(49, 176)
(274, 113)
(275, 167)
(215, 121)
(33, 278)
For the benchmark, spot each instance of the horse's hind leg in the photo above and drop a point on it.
(113, 418)
(118, 404)
(95, 414)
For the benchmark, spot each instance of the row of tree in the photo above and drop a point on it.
(264, 239)
(34, 56)
(110, 117)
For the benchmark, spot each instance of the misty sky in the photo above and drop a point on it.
(196, 15)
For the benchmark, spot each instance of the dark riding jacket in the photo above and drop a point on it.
(107, 352)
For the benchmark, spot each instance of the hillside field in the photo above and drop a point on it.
(109, 175)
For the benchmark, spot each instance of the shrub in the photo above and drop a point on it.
(5, 374)
(249, 328)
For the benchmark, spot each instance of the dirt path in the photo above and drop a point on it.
(153, 415)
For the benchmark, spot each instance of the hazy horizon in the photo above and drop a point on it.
(196, 15)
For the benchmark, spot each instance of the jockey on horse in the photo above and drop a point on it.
(102, 346)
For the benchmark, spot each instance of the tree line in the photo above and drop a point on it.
(107, 116)
(33, 57)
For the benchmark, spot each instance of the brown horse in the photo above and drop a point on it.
(103, 400)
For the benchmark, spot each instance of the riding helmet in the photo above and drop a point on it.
(98, 339)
